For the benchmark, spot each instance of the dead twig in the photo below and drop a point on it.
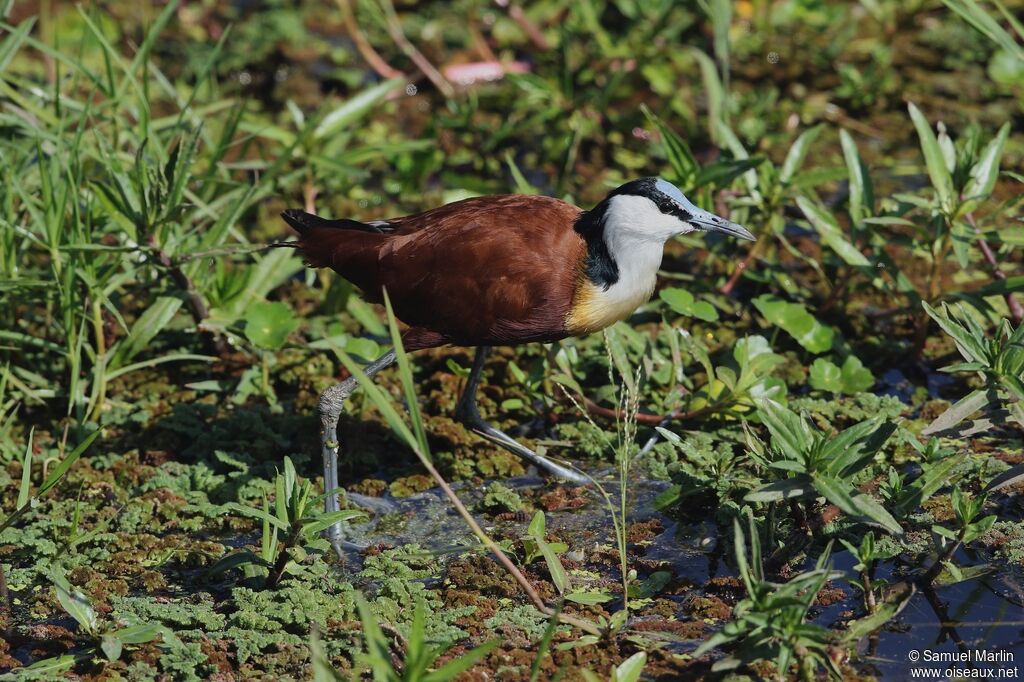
(394, 27)
(370, 55)
(516, 13)
(1016, 310)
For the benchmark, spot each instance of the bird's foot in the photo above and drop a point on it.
(472, 419)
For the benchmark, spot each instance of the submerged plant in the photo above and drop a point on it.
(970, 525)
(770, 623)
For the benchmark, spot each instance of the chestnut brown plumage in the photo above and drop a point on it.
(479, 272)
(501, 270)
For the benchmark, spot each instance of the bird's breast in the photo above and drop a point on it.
(594, 307)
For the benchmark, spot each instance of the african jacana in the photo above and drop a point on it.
(500, 270)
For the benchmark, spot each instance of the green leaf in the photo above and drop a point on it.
(156, 316)
(589, 598)
(111, 647)
(795, 155)
(683, 302)
(961, 410)
(50, 666)
(324, 521)
(860, 505)
(827, 226)
(789, 431)
(796, 321)
(971, 346)
(267, 325)
(825, 376)
(856, 377)
(986, 171)
(778, 491)
(684, 165)
(942, 181)
(355, 108)
(454, 668)
(58, 471)
(650, 587)
(24, 491)
(631, 668)
(862, 200)
(74, 602)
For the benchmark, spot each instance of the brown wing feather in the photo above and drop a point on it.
(487, 270)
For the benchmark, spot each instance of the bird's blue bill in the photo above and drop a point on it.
(709, 222)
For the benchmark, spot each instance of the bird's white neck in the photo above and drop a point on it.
(634, 234)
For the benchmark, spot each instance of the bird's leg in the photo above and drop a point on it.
(468, 413)
(331, 401)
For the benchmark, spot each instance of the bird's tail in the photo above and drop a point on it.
(320, 238)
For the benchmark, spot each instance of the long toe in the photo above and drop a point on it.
(506, 441)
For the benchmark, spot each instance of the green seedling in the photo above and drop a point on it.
(110, 641)
(868, 555)
(289, 528)
(417, 660)
(536, 546)
(770, 623)
(970, 525)
(998, 361)
(816, 463)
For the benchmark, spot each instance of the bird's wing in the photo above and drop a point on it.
(485, 270)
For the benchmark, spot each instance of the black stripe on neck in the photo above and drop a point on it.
(600, 267)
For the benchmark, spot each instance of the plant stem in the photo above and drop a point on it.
(282, 561)
(100, 367)
(1016, 310)
(5, 602)
(502, 558)
(932, 573)
(869, 591)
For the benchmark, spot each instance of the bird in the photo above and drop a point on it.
(499, 270)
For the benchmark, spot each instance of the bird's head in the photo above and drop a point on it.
(652, 209)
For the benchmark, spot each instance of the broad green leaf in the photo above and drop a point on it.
(856, 505)
(825, 376)
(111, 646)
(1011, 476)
(589, 598)
(683, 302)
(789, 432)
(267, 325)
(74, 602)
(971, 346)
(856, 377)
(777, 491)
(631, 668)
(558, 575)
(150, 323)
(796, 321)
(960, 410)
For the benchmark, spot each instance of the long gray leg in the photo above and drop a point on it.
(331, 401)
(468, 413)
